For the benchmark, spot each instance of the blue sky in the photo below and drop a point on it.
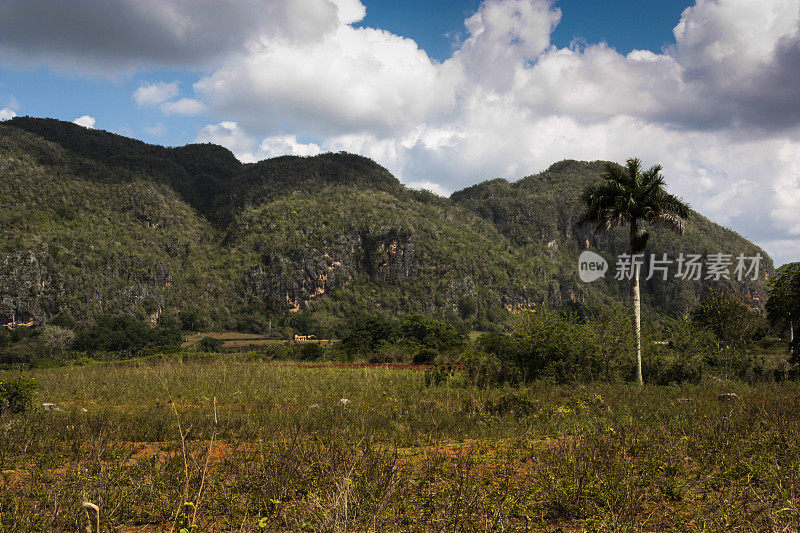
(443, 93)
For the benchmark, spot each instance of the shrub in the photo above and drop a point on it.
(120, 333)
(435, 376)
(424, 356)
(487, 370)
(548, 344)
(435, 334)
(56, 339)
(17, 393)
(310, 351)
(367, 333)
(210, 344)
(191, 320)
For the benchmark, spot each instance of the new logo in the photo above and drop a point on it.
(591, 266)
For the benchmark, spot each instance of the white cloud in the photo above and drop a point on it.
(229, 135)
(125, 35)
(286, 145)
(350, 11)
(86, 121)
(351, 80)
(184, 106)
(429, 186)
(503, 35)
(247, 150)
(155, 93)
(7, 114)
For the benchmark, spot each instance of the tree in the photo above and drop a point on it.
(56, 338)
(783, 303)
(631, 197)
(733, 323)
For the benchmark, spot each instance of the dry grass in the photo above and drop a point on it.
(280, 450)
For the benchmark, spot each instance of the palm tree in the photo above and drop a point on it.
(631, 197)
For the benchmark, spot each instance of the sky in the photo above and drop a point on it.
(444, 94)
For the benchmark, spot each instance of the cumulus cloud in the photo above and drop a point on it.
(247, 149)
(86, 121)
(113, 37)
(7, 114)
(184, 106)
(287, 144)
(152, 94)
(350, 11)
(352, 79)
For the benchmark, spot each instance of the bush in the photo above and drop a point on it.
(367, 333)
(210, 344)
(424, 356)
(17, 393)
(435, 376)
(56, 339)
(310, 351)
(191, 320)
(432, 333)
(548, 344)
(487, 370)
(121, 333)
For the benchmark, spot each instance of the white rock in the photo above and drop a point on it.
(50, 407)
(344, 401)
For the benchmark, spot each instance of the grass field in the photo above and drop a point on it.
(272, 446)
(233, 340)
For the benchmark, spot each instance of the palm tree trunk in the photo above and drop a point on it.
(637, 323)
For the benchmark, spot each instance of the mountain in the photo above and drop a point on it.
(96, 223)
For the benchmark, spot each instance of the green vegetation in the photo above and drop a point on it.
(16, 394)
(97, 224)
(272, 447)
(783, 306)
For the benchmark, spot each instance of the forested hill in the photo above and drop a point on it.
(96, 223)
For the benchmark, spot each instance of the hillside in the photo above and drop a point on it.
(99, 223)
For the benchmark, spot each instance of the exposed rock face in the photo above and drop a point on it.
(289, 281)
(388, 256)
(32, 287)
(26, 286)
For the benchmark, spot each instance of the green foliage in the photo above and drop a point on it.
(783, 305)
(109, 225)
(17, 393)
(548, 344)
(429, 332)
(367, 332)
(726, 315)
(485, 370)
(184, 522)
(630, 197)
(191, 320)
(210, 344)
(121, 333)
(311, 351)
